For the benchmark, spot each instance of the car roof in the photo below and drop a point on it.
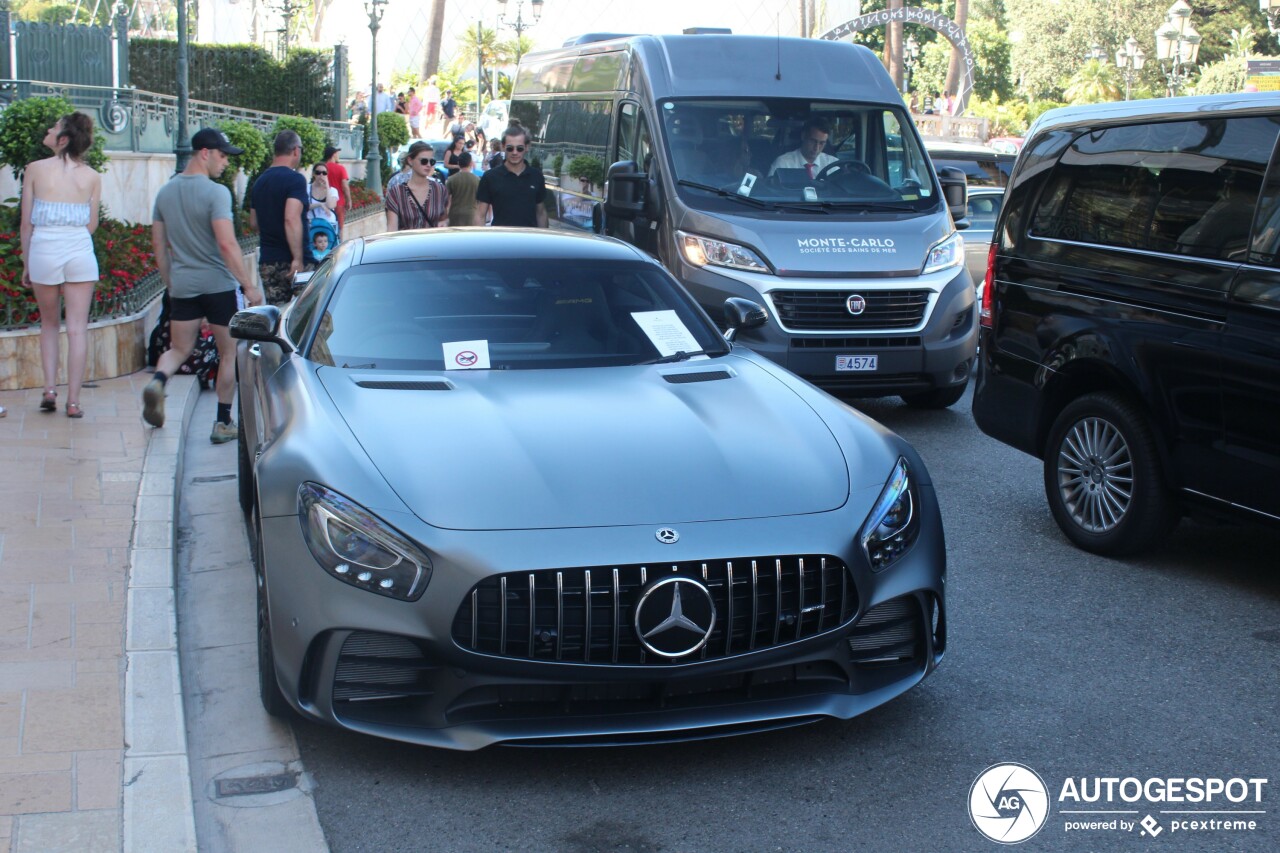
(946, 146)
(1155, 109)
(471, 243)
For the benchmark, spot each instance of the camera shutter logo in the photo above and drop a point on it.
(1008, 803)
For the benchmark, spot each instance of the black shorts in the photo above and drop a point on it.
(217, 308)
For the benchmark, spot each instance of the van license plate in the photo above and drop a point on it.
(855, 362)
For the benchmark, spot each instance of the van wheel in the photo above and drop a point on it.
(273, 701)
(1103, 478)
(939, 398)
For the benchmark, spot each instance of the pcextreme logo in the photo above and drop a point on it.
(1009, 803)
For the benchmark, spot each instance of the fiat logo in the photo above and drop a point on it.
(856, 304)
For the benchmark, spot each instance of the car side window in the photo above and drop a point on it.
(1187, 187)
(625, 147)
(305, 308)
(1264, 248)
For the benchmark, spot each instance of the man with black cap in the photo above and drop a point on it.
(194, 239)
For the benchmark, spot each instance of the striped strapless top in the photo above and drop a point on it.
(66, 213)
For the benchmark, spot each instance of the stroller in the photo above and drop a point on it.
(322, 236)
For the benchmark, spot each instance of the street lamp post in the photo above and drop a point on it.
(910, 54)
(1096, 53)
(373, 167)
(1130, 60)
(518, 23)
(1178, 44)
(182, 150)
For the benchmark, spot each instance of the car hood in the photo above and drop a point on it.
(510, 450)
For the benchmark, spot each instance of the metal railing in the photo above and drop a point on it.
(145, 122)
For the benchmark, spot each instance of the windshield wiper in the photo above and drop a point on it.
(680, 355)
(868, 206)
(745, 199)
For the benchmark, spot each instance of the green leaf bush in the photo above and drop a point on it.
(313, 138)
(23, 125)
(257, 151)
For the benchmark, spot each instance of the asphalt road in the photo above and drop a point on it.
(1073, 665)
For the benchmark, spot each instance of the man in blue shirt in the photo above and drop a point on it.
(279, 199)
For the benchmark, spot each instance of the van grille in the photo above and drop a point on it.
(544, 614)
(819, 310)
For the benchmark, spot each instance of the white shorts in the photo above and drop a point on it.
(415, 121)
(61, 253)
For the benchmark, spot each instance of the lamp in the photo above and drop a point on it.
(1130, 60)
(1177, 45)
(373, 154)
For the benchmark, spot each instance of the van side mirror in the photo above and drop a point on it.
(742, 313)
(955, 189)
(260, 323)
(624, 190)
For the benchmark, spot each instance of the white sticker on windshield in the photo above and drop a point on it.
(667, 332)
(466, 355)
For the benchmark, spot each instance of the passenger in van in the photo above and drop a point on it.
(811, 155)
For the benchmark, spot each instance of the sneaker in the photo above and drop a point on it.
(153, 403)
(222, 433)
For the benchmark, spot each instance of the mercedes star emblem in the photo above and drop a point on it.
(856, 304)
(675, 617)
(667, 535)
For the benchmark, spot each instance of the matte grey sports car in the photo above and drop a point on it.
(513, 486)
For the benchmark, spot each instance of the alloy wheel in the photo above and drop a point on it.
(1095, 474)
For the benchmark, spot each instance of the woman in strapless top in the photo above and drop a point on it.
(60, 198)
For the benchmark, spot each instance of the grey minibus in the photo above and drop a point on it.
(780, 170)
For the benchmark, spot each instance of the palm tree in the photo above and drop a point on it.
(482, 42)
(1093, 83)
(435, 37)
(954, 69)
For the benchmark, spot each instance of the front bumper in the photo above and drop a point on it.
(395, 669)
(938, 354)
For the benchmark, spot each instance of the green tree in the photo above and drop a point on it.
(313, 139)
(1094, 83)
(1215, 19)
(1223, 77)
(1050, 40)
(23, 125)
(256, 152)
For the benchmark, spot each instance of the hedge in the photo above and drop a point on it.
(239, 75)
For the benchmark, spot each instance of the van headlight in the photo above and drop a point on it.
(894, 522)
(703, 251)
(356, 547)
(948, 253)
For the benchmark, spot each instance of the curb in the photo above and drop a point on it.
(159, 813)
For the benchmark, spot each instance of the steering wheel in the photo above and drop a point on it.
(849, 166)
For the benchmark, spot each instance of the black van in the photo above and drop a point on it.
(1131, 314)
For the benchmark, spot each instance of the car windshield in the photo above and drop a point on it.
(515, 314)
(792, 153)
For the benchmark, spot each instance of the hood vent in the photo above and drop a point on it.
(702, 376)
(393, 385)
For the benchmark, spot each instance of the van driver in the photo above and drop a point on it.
(810, 156)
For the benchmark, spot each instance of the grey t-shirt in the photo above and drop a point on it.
(187, 206)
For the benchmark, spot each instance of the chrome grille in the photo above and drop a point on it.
(820, 310)
(586, 615)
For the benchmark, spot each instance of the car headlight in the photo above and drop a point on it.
(894, 522)
(948, 253)
(358, 548)
(703, 251)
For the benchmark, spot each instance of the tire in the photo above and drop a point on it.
(244, 478)
(1103, 477)
(269, 691)
(939, 398)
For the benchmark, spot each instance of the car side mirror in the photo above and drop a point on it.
(260, 323)
(740, 314)
(955, 189)
(624, 190)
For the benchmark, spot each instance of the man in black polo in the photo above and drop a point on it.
(514, 189)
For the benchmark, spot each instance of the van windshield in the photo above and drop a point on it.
(795, 154)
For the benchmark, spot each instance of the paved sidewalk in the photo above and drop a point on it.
(72, 522)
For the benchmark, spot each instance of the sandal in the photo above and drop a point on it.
(49, 402)
(74, 410)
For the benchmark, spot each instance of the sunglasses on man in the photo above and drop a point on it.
(515, 148)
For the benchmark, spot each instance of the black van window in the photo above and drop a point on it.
(626, 133)
(1186, 188)
(573, 141)
(1265, 248)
